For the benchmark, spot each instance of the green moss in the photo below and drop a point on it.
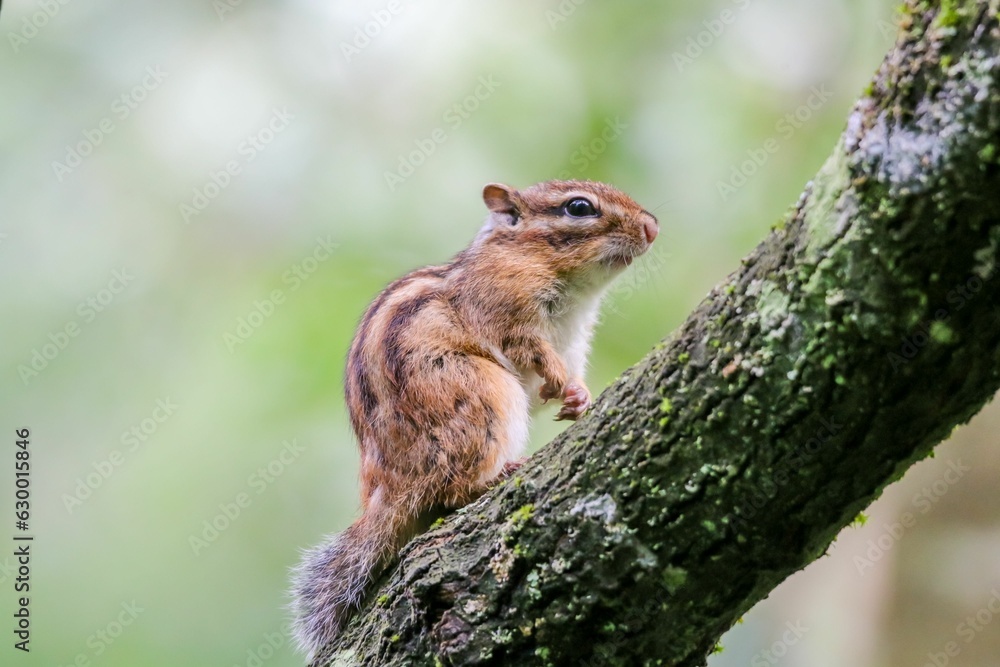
(860, 520)
(942, 333)
(821, 208)
(683, 358)
(772, 305)
(344, 659)
(674, 578)
(534, 592)
(502, 636)
(521, 516)
(949, 16)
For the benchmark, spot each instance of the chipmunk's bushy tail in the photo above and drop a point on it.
(329, 584)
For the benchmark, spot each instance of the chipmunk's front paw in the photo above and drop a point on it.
(549, 390)
(576, 399)
(511, 466)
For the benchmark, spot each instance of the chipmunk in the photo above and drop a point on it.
(448, 360)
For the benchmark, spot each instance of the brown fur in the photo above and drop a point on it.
(438, 372)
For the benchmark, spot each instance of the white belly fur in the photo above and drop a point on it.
(513, 437)
(571, 334)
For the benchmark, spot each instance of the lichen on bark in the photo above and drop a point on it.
(853, 339)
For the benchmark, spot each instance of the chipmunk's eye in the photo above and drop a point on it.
(580, 208)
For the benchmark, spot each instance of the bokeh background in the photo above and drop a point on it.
(199, 199)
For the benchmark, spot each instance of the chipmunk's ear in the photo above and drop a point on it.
(502, 201)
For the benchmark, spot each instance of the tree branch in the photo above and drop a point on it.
(851, 341)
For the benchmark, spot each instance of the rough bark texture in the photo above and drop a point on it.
(850, 342)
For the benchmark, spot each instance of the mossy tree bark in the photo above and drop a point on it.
(850, 342)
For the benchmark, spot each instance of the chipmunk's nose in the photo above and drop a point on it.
(650, 227)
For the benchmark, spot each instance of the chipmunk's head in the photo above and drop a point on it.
(580, 227)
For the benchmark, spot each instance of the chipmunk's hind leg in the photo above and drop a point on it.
(478, 417)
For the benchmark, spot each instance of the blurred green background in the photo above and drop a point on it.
(200, 198)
